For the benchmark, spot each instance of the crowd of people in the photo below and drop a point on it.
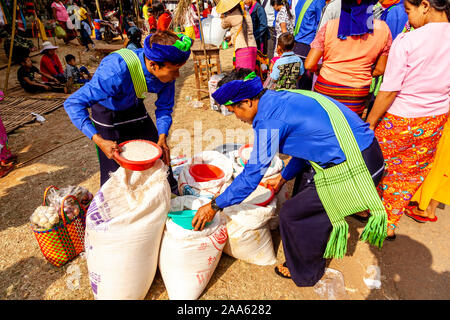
(361, 104)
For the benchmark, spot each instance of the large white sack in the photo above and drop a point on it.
(187, 184)
(249, 237)
(124, 226)
(188, 258)
(282, 196)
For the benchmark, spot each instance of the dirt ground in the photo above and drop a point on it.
(415, 266)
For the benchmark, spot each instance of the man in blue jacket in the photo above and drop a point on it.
(293, 124)
(118, 111)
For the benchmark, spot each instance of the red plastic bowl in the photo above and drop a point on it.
(137, 165)
(241, 149)
(205, 172)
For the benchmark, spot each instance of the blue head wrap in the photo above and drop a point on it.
(356, 18)
(238, 90)
(177, 53)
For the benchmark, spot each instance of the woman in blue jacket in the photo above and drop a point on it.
(309, 127)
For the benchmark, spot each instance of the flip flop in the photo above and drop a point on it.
(417, 218)
(278, 272)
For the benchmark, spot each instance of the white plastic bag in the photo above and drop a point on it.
(187, 185)
(124, 227)
(212, 30)
(249, 237)
(275, 166)
(188, 258)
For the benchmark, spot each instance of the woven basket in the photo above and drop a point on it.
(65, 241)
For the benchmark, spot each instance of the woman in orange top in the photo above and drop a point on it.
(353, 51)
(162, 17)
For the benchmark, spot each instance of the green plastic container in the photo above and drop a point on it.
(225, 45)
(184, 218)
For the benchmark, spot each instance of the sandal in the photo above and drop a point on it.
(4, 170)
(417, 218)
(278, 272)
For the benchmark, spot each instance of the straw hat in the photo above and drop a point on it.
(47, 45)
(226, 5)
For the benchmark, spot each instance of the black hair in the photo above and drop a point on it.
(438, 5)
(157, 9)
(69, 57)
(23, 58)
(239, 74)
(282, 3)
(286, 41)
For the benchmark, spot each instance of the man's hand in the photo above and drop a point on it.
(165, 149)
(48, 88)
(276, 183)
(204, 214)
(107, 146)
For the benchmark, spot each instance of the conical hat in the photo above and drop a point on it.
(226, 5)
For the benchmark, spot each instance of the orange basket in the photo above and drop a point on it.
(65, 241)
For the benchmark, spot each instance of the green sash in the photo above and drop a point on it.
(347, 188)
(135, 68)
(301, 15)
(137, 76)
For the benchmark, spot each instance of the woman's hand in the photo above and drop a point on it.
(204, 214)
(276, 183)
(107, 146)
(165, 149)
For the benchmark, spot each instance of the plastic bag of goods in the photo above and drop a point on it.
(124, 226)
(55, 197)
(188, 258)
(249, 237)
(44, 218)
(190, 185)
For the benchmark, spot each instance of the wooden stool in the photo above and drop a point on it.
(201, 63)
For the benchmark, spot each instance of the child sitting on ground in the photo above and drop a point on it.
(26, 77)
(75, 76)
(288, 69)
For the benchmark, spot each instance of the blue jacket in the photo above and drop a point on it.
(295, 125)
(310, 22)
(259, 20)
(395, 17)
(111, 86)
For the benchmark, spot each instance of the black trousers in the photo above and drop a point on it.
(305, 226)
(122, 126)
(271, 43)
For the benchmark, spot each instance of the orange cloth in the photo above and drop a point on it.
(387, 3)
(164, 21)
(349, 62)
(408, 146)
